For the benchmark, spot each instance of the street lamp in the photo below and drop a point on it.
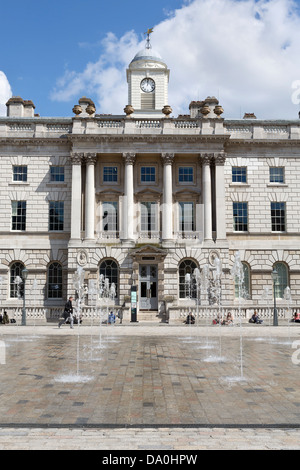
(24, 277)
(274, 275)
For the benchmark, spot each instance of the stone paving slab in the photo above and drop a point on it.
(149, 385)
(158, 439)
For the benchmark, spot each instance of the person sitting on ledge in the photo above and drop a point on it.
(5, 319)
(255, 318)
(190, 319)
(296, 317)
(228, 320)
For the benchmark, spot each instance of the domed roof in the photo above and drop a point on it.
(147, 54)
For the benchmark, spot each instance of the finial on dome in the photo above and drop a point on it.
(149, 31)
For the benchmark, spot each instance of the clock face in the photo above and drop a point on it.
(147, 85)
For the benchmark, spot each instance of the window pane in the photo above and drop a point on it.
(110, 216)
(148, 216)
(240, 216)
(282, 280)
(186, 216)
(18, 215)
(55, 281)
(187, 290)
(20, 173)
(278, 216)
(276, 175)
(16, 281)
(109, 270)
(186, 174)
(242, 286)
(56, 215)
(57, 173)
(239, 174)
(110, 174)
(148, 174)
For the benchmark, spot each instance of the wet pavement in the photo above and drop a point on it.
(178, 382)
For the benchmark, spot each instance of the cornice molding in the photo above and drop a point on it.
(34, 141)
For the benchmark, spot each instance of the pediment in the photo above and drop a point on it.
(148, 193)
(148, 250)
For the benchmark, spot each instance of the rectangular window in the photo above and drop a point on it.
(148, 217)
(239, 174)
(56, 215)
(148, 174)
(276, 174)
(186, 216)
(240, 216)
(57, 174)
(278, 216)
(18, 211)
(186, 174)
(110, 174)
(20, 173)
(110, 216)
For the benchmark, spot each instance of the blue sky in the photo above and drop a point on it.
(244, 52)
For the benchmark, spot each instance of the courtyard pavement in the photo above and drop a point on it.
(149, 387)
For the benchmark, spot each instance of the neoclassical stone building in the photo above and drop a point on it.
(144, 199)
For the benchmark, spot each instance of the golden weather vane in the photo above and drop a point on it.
(149, 31)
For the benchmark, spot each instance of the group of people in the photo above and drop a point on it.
(228, 320)
(70, 318)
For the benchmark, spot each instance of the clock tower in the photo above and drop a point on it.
(148, 78)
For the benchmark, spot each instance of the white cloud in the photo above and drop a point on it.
(245, 52)
(5, 93)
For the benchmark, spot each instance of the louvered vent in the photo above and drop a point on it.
(148, 101)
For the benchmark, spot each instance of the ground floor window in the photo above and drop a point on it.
(16, 280)
(187, 283)
(109, 271)
(282, 280)
(55, 281)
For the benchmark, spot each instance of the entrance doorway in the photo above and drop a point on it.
(148, 287)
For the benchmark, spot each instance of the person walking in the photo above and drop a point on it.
(68, 313)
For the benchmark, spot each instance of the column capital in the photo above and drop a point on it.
(220, 158)
(90, 158)
(77, 158)
(129, 157)
(167, 158)
(206, 158)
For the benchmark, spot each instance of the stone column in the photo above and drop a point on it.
(220, 196)
(128, 200)
(76, 159)
(206, 186)
(90, 159)
(167, 209)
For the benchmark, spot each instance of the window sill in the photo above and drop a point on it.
(239, 185)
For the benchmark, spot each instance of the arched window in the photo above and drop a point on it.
(16, 280)
(242, 286)
(187, 284)
(54, 281)
(109, 270)
(282, 279)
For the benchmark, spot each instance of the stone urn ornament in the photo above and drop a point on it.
(90, 109)
(205, 110)
(167, 110)
(77, 109)
(128, 110)
(218, 110)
